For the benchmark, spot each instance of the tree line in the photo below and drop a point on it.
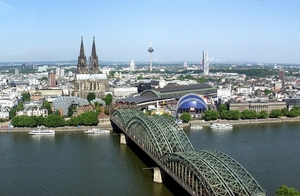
(226, 114)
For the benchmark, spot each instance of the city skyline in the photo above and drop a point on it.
(257, 31)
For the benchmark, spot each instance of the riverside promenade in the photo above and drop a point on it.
(105, 124)
(243, 122)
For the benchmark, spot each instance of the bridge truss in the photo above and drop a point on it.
(206, 172)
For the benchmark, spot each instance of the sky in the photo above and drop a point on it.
(262, 31)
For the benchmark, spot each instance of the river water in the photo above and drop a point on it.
(73, 163)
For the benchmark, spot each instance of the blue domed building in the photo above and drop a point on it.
(192, 103)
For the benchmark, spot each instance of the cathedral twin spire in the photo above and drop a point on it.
(82, 67)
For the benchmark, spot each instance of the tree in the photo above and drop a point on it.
(71, 110)
(276, 113)
(287, 191)
(285, 111)
(54, 120)
(210, 115)
(222, 107)
(47, 106)
(231, 114)
(91, 96)
(263, 114)
(108, 99)
(295, 111)
(249, 114)
(185, 117)
(267, 91)
(26, 96)
(44, 78)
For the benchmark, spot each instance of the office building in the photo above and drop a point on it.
(205, 63)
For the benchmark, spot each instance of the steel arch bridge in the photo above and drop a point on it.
(206, 172)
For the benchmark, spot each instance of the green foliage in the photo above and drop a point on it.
(210, 115)
(276, 113)
(91, 96)
(255, 72)
(54, 120)
(47, 106)
(287, 191)
(24, 121)
(26, 96)
(222, 107)
(285, 111)
(13, 111)
(267, 91)
(185, 117)
(108, 99)
(295, 111)
(231, 114)
(44, 78)
(87, 119)
(263, 114)
(249, 114)
(71, 110)
(202, 80)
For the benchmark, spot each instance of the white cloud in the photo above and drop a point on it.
(5, 8)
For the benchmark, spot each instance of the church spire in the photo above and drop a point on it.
(81, 65)
(94, 54)
(94, 64)
(81, 54)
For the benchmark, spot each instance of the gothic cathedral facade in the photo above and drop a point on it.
(88, 80)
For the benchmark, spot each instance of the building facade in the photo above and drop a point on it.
(88, 80)
(205, 63)
(257, 106)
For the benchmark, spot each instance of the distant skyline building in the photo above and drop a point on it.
(132, 65)
(205, 63)
(185, 64)
(281, 76)
(52, 79)
(150, 49)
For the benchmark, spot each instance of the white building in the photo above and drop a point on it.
(205, 63)
(244, 90)
(123, 92)
(132, 66)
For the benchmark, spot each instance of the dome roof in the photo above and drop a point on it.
(191, 101)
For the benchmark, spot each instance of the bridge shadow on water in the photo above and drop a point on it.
(168, 181)
(171, 184)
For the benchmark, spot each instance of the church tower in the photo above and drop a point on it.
(94, 65)
(81, 65)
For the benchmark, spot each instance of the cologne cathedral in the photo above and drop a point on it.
(88, 78)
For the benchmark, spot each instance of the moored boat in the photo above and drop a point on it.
(42, 132)
(221, 126)
(95, 130)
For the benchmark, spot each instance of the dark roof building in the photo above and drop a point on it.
(173, 92)
(179, 91)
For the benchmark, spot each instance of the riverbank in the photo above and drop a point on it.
(105, 124)
(242, 122)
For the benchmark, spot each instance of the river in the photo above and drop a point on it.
(74, 163)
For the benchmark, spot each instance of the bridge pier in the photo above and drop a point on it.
(123, 138)
(157, 177)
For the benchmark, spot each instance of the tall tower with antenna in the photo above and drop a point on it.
(150, 50)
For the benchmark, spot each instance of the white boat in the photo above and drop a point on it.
(42, 132)
(95, 130)
(221, 126)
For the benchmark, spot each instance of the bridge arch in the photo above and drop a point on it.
(207, 174)
(165, 137)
